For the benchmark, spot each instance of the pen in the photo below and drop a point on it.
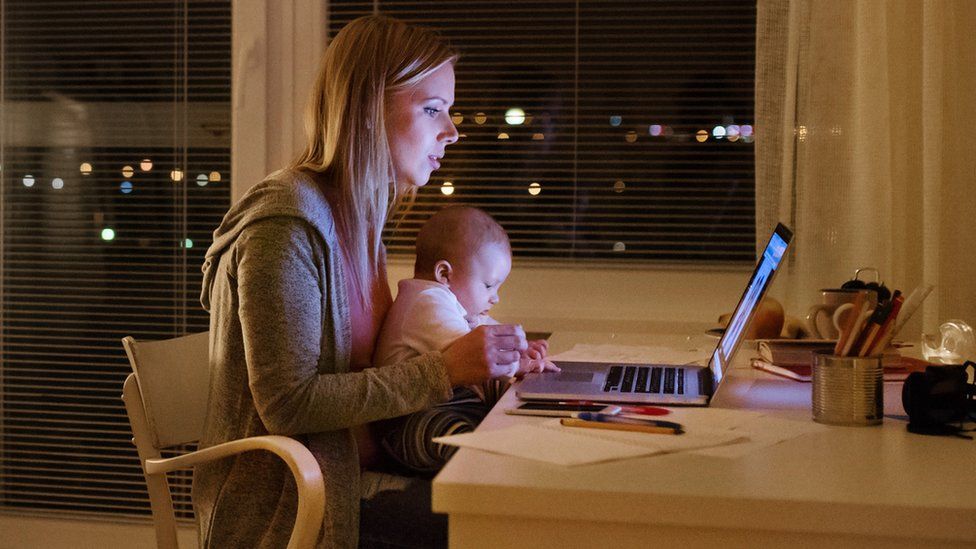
(616, 426)
(884, 336)
(624, 408)
(870, 329)
(606, 418)
(879, 322)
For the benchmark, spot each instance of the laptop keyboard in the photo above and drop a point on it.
(645, 379)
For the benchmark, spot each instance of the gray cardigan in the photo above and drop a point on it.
(279, 357)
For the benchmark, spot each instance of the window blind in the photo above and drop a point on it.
(115, 158)
(596, 130)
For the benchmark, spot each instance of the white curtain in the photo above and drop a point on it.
(865, 146)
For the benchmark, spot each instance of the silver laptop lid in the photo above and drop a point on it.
(762, 277)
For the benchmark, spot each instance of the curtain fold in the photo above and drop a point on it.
(864, 114)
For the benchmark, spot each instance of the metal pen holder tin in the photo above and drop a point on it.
(848, 390)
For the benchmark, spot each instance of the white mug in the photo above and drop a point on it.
(825, 320)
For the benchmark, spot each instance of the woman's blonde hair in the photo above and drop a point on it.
(368, 61)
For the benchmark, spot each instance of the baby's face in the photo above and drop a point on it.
(475, 283)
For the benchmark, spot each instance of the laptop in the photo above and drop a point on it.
(667, 384)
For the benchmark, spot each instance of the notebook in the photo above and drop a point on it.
(668, 384)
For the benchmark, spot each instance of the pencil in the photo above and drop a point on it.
(887, 329)
(878, 324)
(573, 422)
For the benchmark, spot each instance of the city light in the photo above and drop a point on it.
(515, 116)
(126, 187)
(535, 188)
(202, 180)
(108, 234)
(145, 165)
(702, 136)
(480, 118)
(176, 175)
(457, 118)
(28, 180)
(732, 132)
(57, 183)
(127, 171)
(85, 168)
(214, 177)
(619, 186)
(447, 188)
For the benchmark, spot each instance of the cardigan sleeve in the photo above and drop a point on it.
(281, 281)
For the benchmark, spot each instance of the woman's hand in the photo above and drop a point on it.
(485, 352)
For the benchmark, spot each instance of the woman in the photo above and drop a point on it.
(295, 285)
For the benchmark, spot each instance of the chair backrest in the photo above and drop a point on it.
(174, 382)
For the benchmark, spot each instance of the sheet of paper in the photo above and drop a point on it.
(631, 354)
(548, 445)
(732, 433)
(762, 432)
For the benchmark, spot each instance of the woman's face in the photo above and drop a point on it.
(419, 127)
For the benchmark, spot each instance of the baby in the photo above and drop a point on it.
(463, 258)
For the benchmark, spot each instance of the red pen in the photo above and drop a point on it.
(624, 408)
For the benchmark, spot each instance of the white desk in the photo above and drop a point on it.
(848, 487)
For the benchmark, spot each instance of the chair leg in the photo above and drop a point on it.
(164, 519)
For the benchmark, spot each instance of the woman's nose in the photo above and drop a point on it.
(450, 134)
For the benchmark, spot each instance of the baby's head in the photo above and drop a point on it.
(466, 250)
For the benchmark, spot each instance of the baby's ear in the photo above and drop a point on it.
(443, 271)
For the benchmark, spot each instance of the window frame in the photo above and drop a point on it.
(261, 93)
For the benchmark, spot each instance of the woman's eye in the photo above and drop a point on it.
(431, 111)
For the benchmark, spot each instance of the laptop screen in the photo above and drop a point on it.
(762, 276)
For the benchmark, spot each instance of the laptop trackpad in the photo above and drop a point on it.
(574, 377)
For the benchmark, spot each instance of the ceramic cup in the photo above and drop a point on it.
(825, 319)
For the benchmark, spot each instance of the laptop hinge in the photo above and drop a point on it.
(705, 382)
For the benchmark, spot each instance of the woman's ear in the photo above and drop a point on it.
(443, 271)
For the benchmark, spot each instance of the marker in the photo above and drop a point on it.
(606, 418)
(615, 426)
(624, 408)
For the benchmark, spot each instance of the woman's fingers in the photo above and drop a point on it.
(488, 351)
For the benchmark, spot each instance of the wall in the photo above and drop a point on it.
(23, 532)
(564, 296)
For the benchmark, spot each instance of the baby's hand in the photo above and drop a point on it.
(538, 349)
(531, 365)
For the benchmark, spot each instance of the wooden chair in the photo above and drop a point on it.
(166, 400)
